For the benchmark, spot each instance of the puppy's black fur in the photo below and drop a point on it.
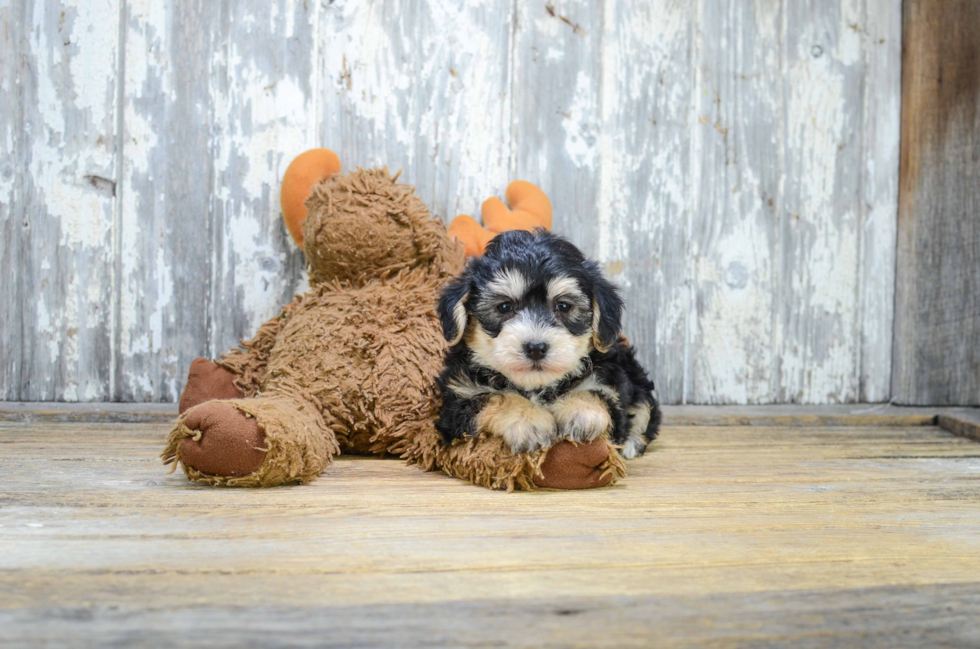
(609, 369)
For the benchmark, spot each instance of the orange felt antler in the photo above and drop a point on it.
(306, 170)
(529, 209)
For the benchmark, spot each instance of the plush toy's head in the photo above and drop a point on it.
(363, 224)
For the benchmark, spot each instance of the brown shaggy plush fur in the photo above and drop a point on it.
(349, 366)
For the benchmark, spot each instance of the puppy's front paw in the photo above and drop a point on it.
(524, 426)
(582, 417)
(530, 435)
(634, 447)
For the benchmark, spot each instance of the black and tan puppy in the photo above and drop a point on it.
(535, 354)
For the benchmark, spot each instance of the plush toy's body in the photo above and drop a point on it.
(349, 366)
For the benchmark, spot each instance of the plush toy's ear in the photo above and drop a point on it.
(607, 309)
(452, 308)
(306, 170)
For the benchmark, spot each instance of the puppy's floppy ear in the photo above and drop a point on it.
(607, 309)
(452, 308)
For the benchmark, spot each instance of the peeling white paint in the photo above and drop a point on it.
(581, 137)
(723, 160)
(67, 116)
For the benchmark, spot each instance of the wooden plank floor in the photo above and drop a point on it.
(757, 536)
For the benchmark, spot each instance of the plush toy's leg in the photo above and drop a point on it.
(485, 460)
(248, 363)
(237, 374)
(207, 381)
(261, 442)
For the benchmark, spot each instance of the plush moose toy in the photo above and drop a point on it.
(349, 366)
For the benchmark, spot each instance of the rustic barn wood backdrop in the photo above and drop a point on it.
(734, 163)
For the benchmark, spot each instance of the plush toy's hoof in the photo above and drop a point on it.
(578, 466)
(207, 381)
(227, 444)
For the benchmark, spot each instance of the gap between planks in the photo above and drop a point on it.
(962, 421)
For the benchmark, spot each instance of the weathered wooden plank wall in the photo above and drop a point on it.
(937, 303)
(58, 123)
(734, 164)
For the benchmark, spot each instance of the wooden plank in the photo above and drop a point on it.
(164, 262)
(658, 128)
(13, 153)
(644, 184)
(824, 159)
(880, 29)
(789, 306)
(820, 536)
(951, 419)
(59, 94)
(556, 85)
(937, 303)
(88, 412)
(796, 416)
(737, 155)
(422, 87)
(887, 617)
(263, 80)
(967, 426)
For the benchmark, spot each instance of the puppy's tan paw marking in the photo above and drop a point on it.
(524, 426)
(581, 417)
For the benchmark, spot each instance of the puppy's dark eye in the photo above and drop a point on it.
(563, 307)
(505, 307)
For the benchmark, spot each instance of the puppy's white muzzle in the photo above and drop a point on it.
(531, 351)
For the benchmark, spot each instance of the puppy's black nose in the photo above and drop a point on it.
(535, 351)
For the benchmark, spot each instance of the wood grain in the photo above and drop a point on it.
(164, 249)
(817, 536)
(733, 165)
(422, 87)
(937, 304)
(12, 153)
(58, 188)
(557, 117)
(777, 220)
(734, 271)
(646, 181)
(888, 617)
(771, 415)
(263, 103)
(881, 39)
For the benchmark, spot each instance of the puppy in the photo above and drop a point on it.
(535, 352)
